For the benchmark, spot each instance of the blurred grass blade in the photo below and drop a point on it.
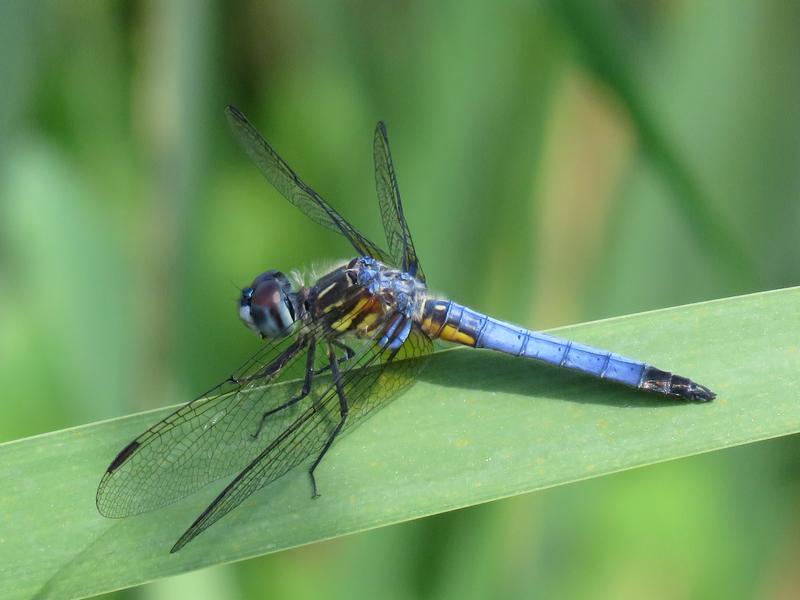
(477, 427)
(603, 51)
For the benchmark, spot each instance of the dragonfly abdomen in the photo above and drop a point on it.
(452, 322)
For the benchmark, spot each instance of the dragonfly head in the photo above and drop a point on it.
(269, 306)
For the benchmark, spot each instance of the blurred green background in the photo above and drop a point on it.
(559, 160)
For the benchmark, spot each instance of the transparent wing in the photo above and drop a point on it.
(372, 379)
(209, 437)
(294, 189)
(398, 236)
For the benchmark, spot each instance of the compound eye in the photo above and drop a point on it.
(267, 293)
(270, 308)
(290, 308)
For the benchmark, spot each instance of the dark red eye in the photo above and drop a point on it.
(267, 294)
(268, 304)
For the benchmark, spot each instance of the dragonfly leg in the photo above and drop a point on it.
(348, 351)
(304, 391)
(276, 365)
(343, 410)
(348, 354)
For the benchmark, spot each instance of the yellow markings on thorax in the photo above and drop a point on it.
(368, 305)
(368, 321)
(328, 289)
(343, 323)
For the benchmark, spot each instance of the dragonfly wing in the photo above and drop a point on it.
(207, 438)
(398, 236)
(374, 376)
(295, 190)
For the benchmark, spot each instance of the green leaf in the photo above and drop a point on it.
(592, 27)
(477, 427)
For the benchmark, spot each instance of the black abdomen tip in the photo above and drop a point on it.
(663, 382)
(701, 393)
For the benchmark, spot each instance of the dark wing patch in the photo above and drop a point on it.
(374, 377)
(207, 438)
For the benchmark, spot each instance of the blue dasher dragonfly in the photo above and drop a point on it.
(336, 351)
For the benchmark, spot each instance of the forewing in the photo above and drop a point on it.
(398, 236)
(373, 377)
(207, 438)
(294, 189)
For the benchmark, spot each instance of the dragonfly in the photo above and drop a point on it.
(335, 351)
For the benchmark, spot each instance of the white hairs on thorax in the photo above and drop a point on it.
(315, 271)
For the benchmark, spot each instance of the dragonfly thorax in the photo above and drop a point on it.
(270, 306)
(396, 288)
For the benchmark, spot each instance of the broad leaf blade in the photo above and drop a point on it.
(477, 427)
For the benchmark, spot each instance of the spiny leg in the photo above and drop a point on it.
(343, 410)
(304, 391)
(349, 353)
(276, 365)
